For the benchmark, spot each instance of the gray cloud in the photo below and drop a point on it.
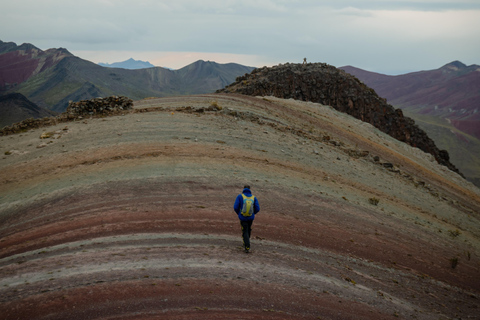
(386, 36)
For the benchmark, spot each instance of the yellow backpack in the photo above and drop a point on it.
(248, 205)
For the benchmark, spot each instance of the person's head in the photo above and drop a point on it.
(246, 186)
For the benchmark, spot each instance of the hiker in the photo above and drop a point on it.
(246, 206)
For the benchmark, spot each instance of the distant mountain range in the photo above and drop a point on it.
(444, 102)
(52, 78)
(452, 92)
(129, 64)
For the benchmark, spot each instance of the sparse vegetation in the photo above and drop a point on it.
(350, 280)
(374, 201)
(454, 262)
(454, 233)
(215, 105)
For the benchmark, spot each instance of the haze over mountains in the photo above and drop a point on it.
(52, 78)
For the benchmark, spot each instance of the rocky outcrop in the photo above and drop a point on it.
(75, 110)
(325, 84)
(99, 106)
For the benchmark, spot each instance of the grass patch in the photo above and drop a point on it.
(215, 105)
(454, 233)
(373, 201)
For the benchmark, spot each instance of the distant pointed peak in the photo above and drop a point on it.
(128, 64)
(27, 46)
(454, 66)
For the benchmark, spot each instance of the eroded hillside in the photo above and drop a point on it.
(325, 84)
(130, 217)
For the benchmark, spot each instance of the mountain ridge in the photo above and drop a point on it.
(325, 84)
(128, 64)
(449, 90)
(445, 102)
(53, 77)
(19, 63)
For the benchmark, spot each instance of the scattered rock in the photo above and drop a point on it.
(46, 135)
(104, 106)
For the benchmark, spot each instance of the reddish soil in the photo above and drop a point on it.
(130, 217)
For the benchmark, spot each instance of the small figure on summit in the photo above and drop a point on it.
(246, 206)
(304, 61)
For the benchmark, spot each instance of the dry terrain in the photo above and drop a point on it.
(130, 217)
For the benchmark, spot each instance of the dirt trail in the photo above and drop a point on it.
(130, 217)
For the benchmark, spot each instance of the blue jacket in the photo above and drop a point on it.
(239, 203)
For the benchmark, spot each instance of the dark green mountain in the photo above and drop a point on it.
(15, 107)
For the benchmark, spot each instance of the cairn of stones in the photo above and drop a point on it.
(99, 106)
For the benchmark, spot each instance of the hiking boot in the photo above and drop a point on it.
(247, 250)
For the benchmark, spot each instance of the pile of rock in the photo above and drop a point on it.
(75, 110)
(99, 106)
(30, 123)
(325, 84)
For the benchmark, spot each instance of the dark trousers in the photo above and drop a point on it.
(246, 232)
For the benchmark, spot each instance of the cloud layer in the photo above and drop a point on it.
(384, 36)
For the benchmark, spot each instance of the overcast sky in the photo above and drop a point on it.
(385, 36)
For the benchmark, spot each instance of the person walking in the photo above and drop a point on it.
(246, 207)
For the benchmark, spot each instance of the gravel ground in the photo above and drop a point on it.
(130, 217)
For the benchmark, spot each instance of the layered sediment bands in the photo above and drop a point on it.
(130, 217)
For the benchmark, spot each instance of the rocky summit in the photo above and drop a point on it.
(325, 84)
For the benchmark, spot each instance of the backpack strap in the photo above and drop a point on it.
(252, 205)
